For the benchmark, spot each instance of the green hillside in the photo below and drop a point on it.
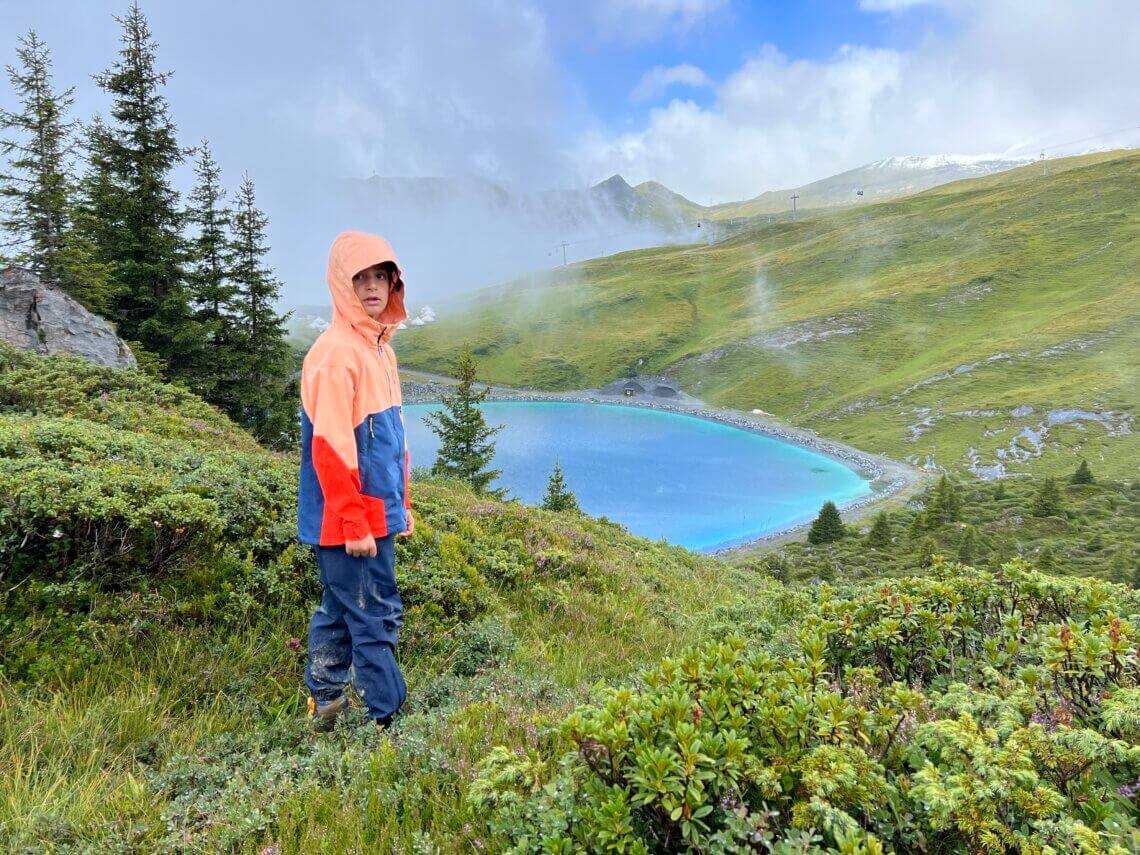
(572, 688)
(970, 319)
(151, 697)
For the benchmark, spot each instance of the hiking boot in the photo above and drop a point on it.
(383, 724)
(324, 715)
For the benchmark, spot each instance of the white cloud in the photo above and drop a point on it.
(1010, 75)
(481, 96)
(659, 78)
(632, 21)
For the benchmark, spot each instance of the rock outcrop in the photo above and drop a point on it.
(38, 317)
(652, 384)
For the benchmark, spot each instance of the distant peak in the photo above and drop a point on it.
(614, 182)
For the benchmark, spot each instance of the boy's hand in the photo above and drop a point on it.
(363, 548)
(411, 525)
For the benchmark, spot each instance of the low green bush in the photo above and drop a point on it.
(965, 711)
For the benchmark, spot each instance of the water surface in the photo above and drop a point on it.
(695, 482)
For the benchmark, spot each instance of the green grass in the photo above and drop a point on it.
(191, 735)
(896, 294)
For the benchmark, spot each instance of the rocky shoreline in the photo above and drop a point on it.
(888, 477)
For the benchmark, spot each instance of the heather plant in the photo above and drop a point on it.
(967, 711)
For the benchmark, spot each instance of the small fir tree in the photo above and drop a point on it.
(1046, 561)
(946, 504)
(926, 550)
(212, 292)
(558, 496)
(37, 194)
(999, 491)
(918, 527)
(879, 536)
(778, 567)
(466, 444)
(968, 545)
(134, 207)
(1083, 475)
(265, 399)
(827, 527)
(1047, 502)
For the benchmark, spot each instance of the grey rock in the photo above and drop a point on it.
(41, 318)
(653, 384)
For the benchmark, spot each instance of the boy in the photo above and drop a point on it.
(353, 493)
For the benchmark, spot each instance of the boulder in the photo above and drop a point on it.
(41, 318)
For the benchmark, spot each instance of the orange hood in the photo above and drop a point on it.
(352, 252)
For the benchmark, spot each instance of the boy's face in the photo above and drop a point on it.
(371, 286)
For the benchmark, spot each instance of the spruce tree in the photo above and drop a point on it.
(36, 189)
(827, 527)
(946, 504)
(466, 444)
(265, 399)
(1083, 475)
(1047, 502)
(212, 293)
(918, 527)
(879, 536)
(999, 491)
(135, 208)
(558, 496)
(925, 551)
(1046, 561)
(968, 545)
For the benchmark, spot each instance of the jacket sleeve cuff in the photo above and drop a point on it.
(356, 529)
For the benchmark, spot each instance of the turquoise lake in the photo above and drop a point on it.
(691, 481)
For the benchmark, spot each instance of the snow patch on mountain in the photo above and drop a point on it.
(981, 163)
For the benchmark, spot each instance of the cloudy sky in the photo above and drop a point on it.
(718, 99)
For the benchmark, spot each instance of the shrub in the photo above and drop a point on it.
(967, 711)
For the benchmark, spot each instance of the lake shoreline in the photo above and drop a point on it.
(889, 479)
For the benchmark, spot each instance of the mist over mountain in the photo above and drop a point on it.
(456, 235)
(881, 179)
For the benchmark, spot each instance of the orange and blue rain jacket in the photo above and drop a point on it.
(354, 458)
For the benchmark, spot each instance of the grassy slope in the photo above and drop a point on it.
(182, 728)
(1014, 264)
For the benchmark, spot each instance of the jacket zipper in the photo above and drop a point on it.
(387, 372)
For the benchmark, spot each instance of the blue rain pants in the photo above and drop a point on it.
(352, 635)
